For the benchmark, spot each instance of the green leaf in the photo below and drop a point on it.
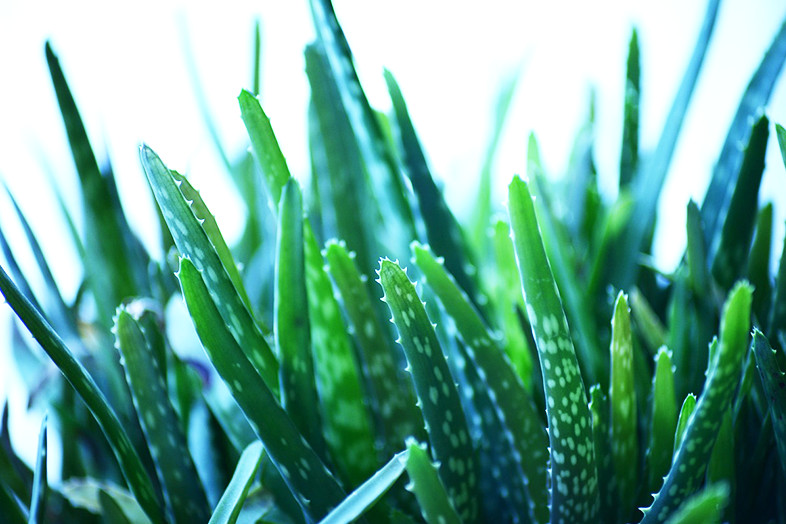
(264, 144)
(40, 485)
(192, 241)
(727, 169)
(508, 303)
(523, 429)
(629, 157)
(721, 467)
(368, 493)
(314, 487)
(624, 440)
(437, 395)
(648, 325)
(777, 315)
(390, 394)
(116, 264)
(728, 263)
(442, 229)
(706, 506)
(723, 375)
(130, 465)
(291, 330)
(569, 420)
(346, 417)
(111, 510)
(649, 182)
(559, 247)
(774, 381)
(234, 496)
(663, 424)
(425, 483)
(378, 160)
(183, 492)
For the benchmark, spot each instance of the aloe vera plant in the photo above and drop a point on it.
(374, 358)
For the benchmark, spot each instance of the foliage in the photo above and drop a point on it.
(534, 374)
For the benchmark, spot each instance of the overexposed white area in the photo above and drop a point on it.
(126, 64)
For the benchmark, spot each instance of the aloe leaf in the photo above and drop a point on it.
(12, 509)
(348, 208)
(729, 260)
(192, 241)
(624, 440)
(759, 264)
(391, 397)
(442, 229)
(116, 262)
(130, 464)
(231, 502)
(368, 493)
(559, 250)
(346, 417)
(569, 420)
(314, 487)
(291, 329)
(773, 379)
(724, 373)
(210, 226)
(663, 423)
(523, 430)
(86, 493)
(629, 157)
(508, 302)
(706, 506)
(649, 326)
(383, 173)
(648, 184)
(425, 483)
(15, 474)
(687, 409)
(40, 486)
(183, 492)
(437, 395)
(777, 315)
(264, 144)
(601, 431)
(727, 169)
(111, 511)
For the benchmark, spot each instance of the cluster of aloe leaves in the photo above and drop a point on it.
(541, 371)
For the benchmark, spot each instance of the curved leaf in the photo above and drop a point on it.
(231, 501)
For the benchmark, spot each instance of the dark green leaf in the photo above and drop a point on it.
(629, 157)
(40, 483)
(774, 381)
(425, 483)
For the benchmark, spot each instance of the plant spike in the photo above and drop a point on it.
(437, 395)
(314, 487)
(130, 464)
(624, 440)
(574, 473)
(183, 492)
(523, 430)
(723, 375)
(663, 425)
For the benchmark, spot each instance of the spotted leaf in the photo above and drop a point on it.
(437, 395)
(574, 474)
(426, 484)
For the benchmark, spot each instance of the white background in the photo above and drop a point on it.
(127, 69)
